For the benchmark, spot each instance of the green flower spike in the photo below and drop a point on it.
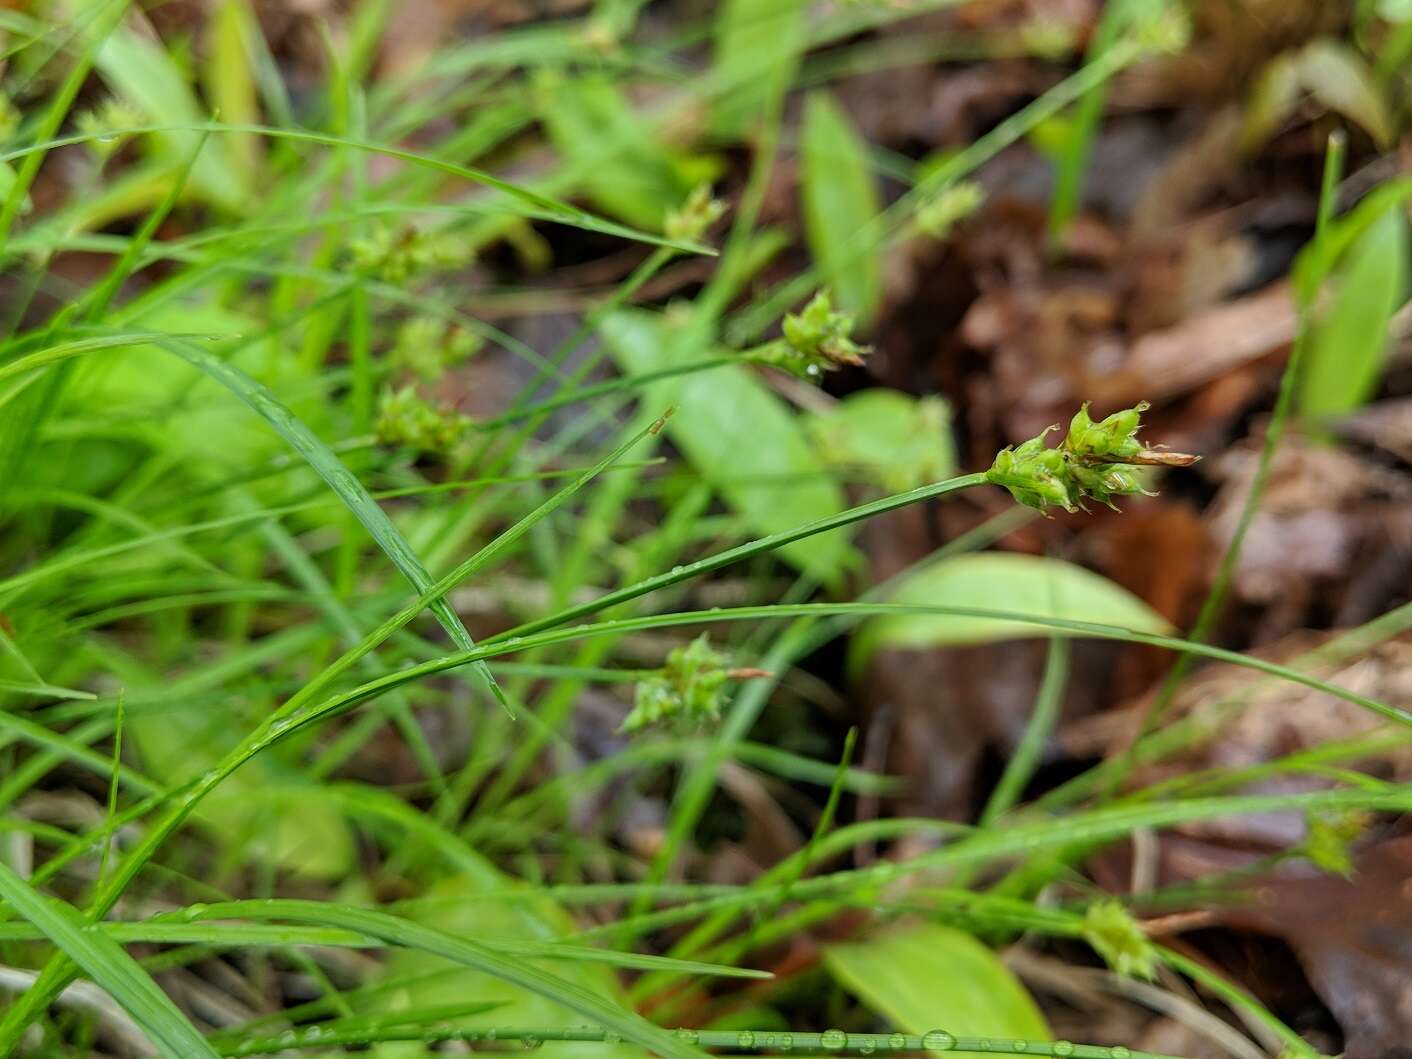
(1328, 838)
(1036, 476)
(688, 691)
(815, 340)
(689, 222)
(1095, 461)
(407, 418)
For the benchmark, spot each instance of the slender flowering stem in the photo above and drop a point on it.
(758, 1041)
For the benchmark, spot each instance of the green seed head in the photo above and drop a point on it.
(1112, 439)
(689, 222)
(688, 692)
(816, 340)
(1095, 461)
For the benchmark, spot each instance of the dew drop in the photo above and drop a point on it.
(1062, 1048)
(612, 1037)
(786, 1042)
(867, 1046)
(491, 1035)
(982, 1044)
(938, 1041)
(833, 1039)
(745, 1039)
(1120, 1052)
(897, 1041)
(193, 912)
(1022, 1046)
(530, 1043)
(690, 1036)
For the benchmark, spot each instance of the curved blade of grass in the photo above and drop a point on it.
(436, 591)
(341, 480)
(80, 346)
(48, 691)
(539, 205)
(110, 967)
(191, 931)
(506, 644)
(392, 930)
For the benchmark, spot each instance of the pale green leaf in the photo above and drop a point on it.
(896, 440)
(840, 200)
(925, 976)
(1271, 101)
(230, 80)
(631, 175)
(1337, 76)
(741, 437)
(757, 48)
(1021, 584)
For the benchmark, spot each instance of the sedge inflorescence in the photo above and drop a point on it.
(1095, 461)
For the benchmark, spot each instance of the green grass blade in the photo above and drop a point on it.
(534, 203)
(343, 482)
(110, 967)
(393, 930)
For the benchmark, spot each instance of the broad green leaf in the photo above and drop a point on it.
(634, 177)
(737, 434)
(840, 200)
(1347, 347)
(105, 961)
(1021, 584)
(925, 976)
(757, 48)
(141, 71)
(897, 440)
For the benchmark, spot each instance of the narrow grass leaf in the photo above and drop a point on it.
(103, 960)
(403, 933)
(1347, 348)
(343, 482)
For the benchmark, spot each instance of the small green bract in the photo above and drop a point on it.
(1095, 461)
(1118, 938)
(1328, 838)
(688, 691)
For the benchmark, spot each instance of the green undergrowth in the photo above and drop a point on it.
(299, 648)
